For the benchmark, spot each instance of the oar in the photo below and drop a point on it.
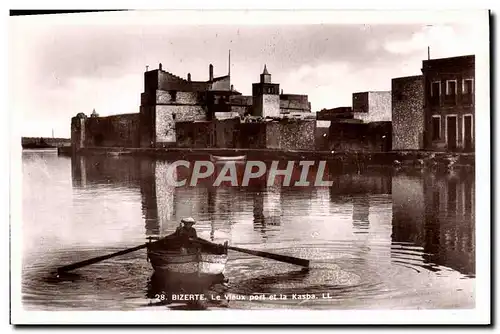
(84, 263)
(273, 256)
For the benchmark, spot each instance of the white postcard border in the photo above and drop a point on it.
(480, 314)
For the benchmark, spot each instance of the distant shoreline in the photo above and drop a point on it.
(393, 158)
(44, 143)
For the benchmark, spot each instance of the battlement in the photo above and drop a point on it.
(160, 79)
(176, 77)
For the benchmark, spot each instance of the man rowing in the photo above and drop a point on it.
(186, 230)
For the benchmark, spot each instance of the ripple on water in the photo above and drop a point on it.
(416, 247)
(343, 274)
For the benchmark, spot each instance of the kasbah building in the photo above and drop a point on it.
(180, 112)
(433, 111)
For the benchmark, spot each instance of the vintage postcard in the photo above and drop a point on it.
(304, 167)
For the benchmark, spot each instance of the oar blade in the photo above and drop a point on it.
(273, 256)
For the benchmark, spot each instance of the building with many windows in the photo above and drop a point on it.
(435, 111)
(449, 103)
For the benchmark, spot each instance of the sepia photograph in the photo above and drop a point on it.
(305, 167)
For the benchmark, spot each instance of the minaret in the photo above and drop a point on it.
(265, 77)
(266, 99)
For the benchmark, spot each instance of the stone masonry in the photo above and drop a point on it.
(407, 113)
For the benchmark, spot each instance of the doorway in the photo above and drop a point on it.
(451, 132)
(467, 132)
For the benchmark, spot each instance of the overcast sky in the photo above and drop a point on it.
(61, 68)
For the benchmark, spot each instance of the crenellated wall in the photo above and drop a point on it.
(162, 80)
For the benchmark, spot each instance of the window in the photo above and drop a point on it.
(468, 86)
(467, 132)
(436, 127)
(173, 95)
(435, 93)
(451, 87)
(436, 88)
(450, 99)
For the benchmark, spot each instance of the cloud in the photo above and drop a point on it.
(426, 37)
(320, 83)
(443, 40)
(110, 51)
(331, 85)
(70, 68)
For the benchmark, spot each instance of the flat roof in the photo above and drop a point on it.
(373, 91)
(409, 77)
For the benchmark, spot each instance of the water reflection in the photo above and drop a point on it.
(394, 236)
(370, 182)
(267, 211)
(162, 286)
(360, 214)
(434, 211)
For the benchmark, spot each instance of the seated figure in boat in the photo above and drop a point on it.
(185, 232)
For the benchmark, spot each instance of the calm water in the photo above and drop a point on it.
(380, 238)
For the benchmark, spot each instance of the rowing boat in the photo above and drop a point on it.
(223, 159)
(182, 257)
(186, 267)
